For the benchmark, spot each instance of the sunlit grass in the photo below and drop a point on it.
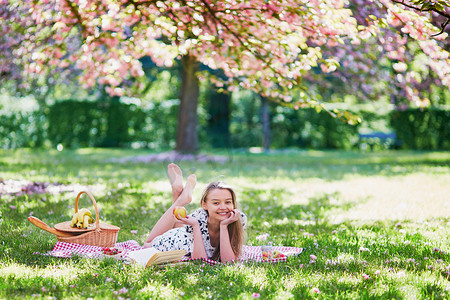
(378, 224)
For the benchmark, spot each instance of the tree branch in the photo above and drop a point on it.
(433, 9)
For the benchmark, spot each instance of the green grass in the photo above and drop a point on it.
(378, 223)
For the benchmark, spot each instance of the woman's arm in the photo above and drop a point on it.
(226, 252)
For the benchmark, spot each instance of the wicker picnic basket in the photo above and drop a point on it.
(101, 234)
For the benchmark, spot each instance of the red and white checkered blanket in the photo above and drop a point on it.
(249, 253)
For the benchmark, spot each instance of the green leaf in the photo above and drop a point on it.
(439, 7)
(425, 6)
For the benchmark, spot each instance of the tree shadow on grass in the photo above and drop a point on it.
(267, 207)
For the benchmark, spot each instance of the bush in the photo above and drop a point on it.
(112, 124)
(306, 128)
(23, 130)
(245, 125)
(115, 124)
(426, 129)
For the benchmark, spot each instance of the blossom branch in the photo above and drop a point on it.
(430, 8)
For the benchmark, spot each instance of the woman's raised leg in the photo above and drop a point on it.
(176, 180)
(167, 221)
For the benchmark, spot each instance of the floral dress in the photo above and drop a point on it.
(182, 238)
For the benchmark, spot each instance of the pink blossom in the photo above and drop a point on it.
(12, 207)
(411, 260)
(43, 289)
(256, 295)
(313, 257)
(134, 231)
(72, 285)
(123, 290)
(316, 290)
(377, 272)
(365, 276)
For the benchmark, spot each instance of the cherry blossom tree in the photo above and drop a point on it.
(406, 67)
(265, 46)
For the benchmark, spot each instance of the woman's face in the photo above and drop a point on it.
(219, 204)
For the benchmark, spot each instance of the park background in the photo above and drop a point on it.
(335, 134)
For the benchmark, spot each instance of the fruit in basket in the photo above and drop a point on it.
(85, 221)
(82, 218)
(179, 212)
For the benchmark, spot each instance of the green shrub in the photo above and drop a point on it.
(308, 129)
(422, 129)
(112, 124)
(245, 125)
(23, 130)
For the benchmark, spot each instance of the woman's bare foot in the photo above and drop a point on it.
(176, 180)
(186, 195)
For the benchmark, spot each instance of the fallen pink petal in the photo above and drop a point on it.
(262, 237)
(401, 274)
(256, 295)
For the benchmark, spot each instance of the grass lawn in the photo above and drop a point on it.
(377, 223)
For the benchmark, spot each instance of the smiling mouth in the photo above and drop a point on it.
(223, 213)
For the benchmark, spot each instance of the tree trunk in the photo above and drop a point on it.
(187, 137)
(265, 124)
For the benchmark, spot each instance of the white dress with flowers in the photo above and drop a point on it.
(182, 238)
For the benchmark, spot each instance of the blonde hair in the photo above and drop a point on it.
(235, 229)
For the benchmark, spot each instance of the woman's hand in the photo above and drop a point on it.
(189, 221)
(233, 217)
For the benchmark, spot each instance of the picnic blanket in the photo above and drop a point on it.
(249, 253)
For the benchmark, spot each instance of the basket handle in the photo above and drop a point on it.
(97, 222)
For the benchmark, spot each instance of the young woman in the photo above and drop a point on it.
(214, 231)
